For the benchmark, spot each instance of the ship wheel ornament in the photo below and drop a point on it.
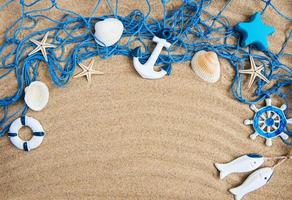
(269, 122)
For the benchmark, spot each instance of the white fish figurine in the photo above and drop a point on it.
(256, 180)
(108, 32)
(244, 163)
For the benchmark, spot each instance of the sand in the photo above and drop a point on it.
(124, 137)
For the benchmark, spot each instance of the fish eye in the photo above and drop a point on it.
(266, 178)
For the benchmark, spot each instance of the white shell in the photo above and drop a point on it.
(109, 31)
(206, 65)
(36, 95)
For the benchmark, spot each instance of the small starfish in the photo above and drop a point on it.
(88, 71)
(254, 71)
(41, 46)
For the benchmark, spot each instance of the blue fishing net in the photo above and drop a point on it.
(188, 27)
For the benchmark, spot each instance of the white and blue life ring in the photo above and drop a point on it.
(36, 127)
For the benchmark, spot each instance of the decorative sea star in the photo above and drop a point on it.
(41, 46)
(88, 71)
(255, 32)
(254, 71)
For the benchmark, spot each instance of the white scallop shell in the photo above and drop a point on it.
(109, 31)
(207, 66)
(36, 95)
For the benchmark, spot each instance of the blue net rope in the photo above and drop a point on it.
(189, 28)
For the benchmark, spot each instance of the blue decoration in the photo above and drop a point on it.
(165, 34)
(136, 52)
(254, 155)
(269, 122)
(167, 68)
(255, 32)
(189, 28)
(280, 124)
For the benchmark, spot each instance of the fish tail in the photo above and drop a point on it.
(236, 193)
(221, 169)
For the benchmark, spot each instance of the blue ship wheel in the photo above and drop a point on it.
(269, 122)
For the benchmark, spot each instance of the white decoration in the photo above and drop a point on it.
(147, 70)
(256, 180)
(254, 71)
(244, 163)
(36, 127)
(108, 31)
(269, 122)
(36, 95)
(41, 46)
(206, 65)
(88, 71)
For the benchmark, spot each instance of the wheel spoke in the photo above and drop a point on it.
(263, 116)
(263, 126)
(268, 129)
(274, 116)
(274, 127)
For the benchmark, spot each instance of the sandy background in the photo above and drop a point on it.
(124, 137)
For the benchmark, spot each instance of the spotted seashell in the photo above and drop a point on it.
(36, 95)
(206, 65)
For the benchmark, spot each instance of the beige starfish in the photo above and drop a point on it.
(41, 46)
(254, 71)
(88, 71)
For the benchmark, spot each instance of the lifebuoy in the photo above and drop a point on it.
(36, 127)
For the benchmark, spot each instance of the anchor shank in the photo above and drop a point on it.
(155, 54)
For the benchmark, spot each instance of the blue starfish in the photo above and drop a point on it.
(255, 32)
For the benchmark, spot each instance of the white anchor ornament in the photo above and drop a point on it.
(269, 122)
(245, 163)
(147, 70)
(256, 180)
